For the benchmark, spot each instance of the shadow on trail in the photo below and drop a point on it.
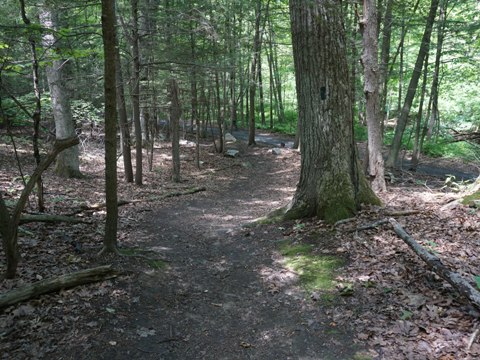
(215, 301)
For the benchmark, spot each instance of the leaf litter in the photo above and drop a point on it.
(395, 308)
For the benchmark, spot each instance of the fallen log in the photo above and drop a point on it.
(56, 284)
(458, 282)
(28, 218)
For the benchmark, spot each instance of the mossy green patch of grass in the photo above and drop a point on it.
(316, 272)
(362, 356)
(470, 198)
(296, 250)
(156, 264)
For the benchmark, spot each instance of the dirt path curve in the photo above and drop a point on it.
(226, 295)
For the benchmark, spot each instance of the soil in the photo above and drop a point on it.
(222, 290)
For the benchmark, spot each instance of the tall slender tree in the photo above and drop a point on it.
(175, 113)
(368, 27)
(253, 73)
(36, 116)
(412, 86)
(134, 43)
(110, 92)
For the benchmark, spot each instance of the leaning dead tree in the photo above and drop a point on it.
(9, 221)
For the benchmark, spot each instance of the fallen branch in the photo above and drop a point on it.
(473, 338)
(56, 284)
(377, 223)
(99, 206)
(402, 212)
(180, 193)
(28, 218)
(344, 221)
(454, 279)
(370, 226)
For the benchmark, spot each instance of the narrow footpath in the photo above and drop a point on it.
(225, 294)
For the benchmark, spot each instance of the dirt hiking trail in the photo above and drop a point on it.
(225, 294)
(197, 283)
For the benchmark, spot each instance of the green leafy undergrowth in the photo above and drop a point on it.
(316, 272)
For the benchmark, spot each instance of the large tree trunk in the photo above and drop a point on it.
(68, 164)
(368, 26)
(412, 86)
(332, 185)
(110, 91)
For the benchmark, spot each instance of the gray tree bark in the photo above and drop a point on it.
(332, 186)
(368, 27)
(68, 163)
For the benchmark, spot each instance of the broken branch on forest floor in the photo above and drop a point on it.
(402, 212)
(377, 223)
(454, 279)
(370, 226)
(99, 206)
(28, 218)
(66, 281)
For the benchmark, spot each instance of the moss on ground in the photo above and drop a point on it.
(471, 198)
(155, 264)
(316, 272)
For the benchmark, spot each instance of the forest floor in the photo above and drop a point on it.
(202, 284)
